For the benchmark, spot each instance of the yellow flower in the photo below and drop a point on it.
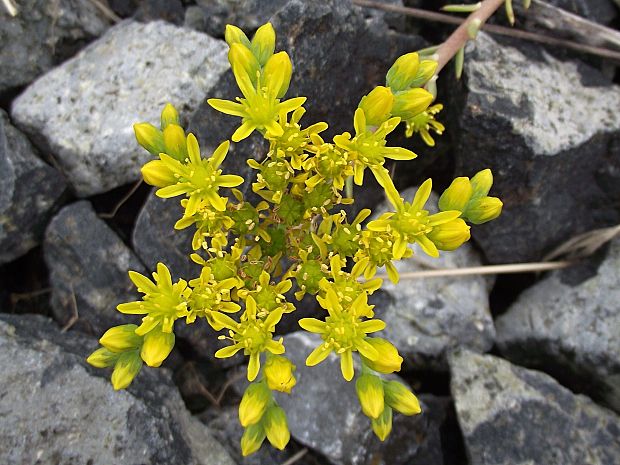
(126, 369)
(276, 427)
(382, 426)
(252, 439)
(389, 360)
(377, 105)
(400, 398)
(252, 334)
(163, 302)
(121, 338)
(369, 390)
(278, 371)
(254, 403)
(424, 123)
(156, 347)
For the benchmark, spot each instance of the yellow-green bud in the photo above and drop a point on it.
(370, 394)
(121, 338)
(484, 209)
(278, 371)
(382, 426)
(156, 173)
(276, 427)
(234, 35)
(175, 142)
(264, 43)
(400, 398)
(156, 347)
(277, 74)
(457, 195)
(253, 404)
(169, 115)
(149, 137)
(389, 361)
(410, 103)
(377, 105)
(243, 62)
(403, 71)
(481, 183)
(426, 70)
(126, 369)
(252, 439)
(450, 235)
(102, 358)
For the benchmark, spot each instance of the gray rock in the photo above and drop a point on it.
(168, 10)
(42, 34)
(510, 415)
(324, 414)
(57, 409)
(29, 190)
(88, 265)
(84, 110)
(601, 11)
(570, 331)
(427, 317)
(560, 143)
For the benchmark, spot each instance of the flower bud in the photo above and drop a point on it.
(234, 35)
(244, 64)
(484, 209)
(377, 105)
(252, 439)
(277, 73)
(411, 102)
(126, 369)
(102, 358)
(400, 398)
(276, 427)
(456, 196)
(481, 183)
(156, 173)
(264, 43)
(156, 347)
(121, 338)
(426, 70)
(253, 404)
(389, 361)
(175, 142)
(278, 371)
(382, 426)
(450, 235)
(149, 137)
(403, 71)
(169, 115)
(370, 394)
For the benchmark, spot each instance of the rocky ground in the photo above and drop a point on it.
(521, 369)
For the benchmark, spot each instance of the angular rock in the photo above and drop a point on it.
(168, 10)
(324, 414)
(29, 190)
(601, 11)
(511, 415)
(41, 35)
(570, 331)
(427, 317)
(552, 142)
(88, 265)
(84, 110)
(57, 409)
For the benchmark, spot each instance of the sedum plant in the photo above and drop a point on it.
(296, 238)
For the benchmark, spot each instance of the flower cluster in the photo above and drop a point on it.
(254, 259)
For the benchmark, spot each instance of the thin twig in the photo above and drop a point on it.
(10, 7)
(18, 296)
(106, 11)
(585, 244)
(232, 380)
(75, 316)
(121, 202)
(482, 270)
(493, 29)
(203, 390)
(295, 458)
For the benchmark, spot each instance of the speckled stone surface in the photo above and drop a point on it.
(57, 409)
(570, 331)
(513, 416)
(84, 110)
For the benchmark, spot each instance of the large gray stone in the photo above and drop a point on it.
(42, 34)
(552, 142)
(601, 11)
(88, 265)
(29, 190)
(324, 414)
(84, 110)
(57, 409)
(427, 317)
(510, 415)
(572, 332)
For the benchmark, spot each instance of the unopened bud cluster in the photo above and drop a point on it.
(252, 257)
